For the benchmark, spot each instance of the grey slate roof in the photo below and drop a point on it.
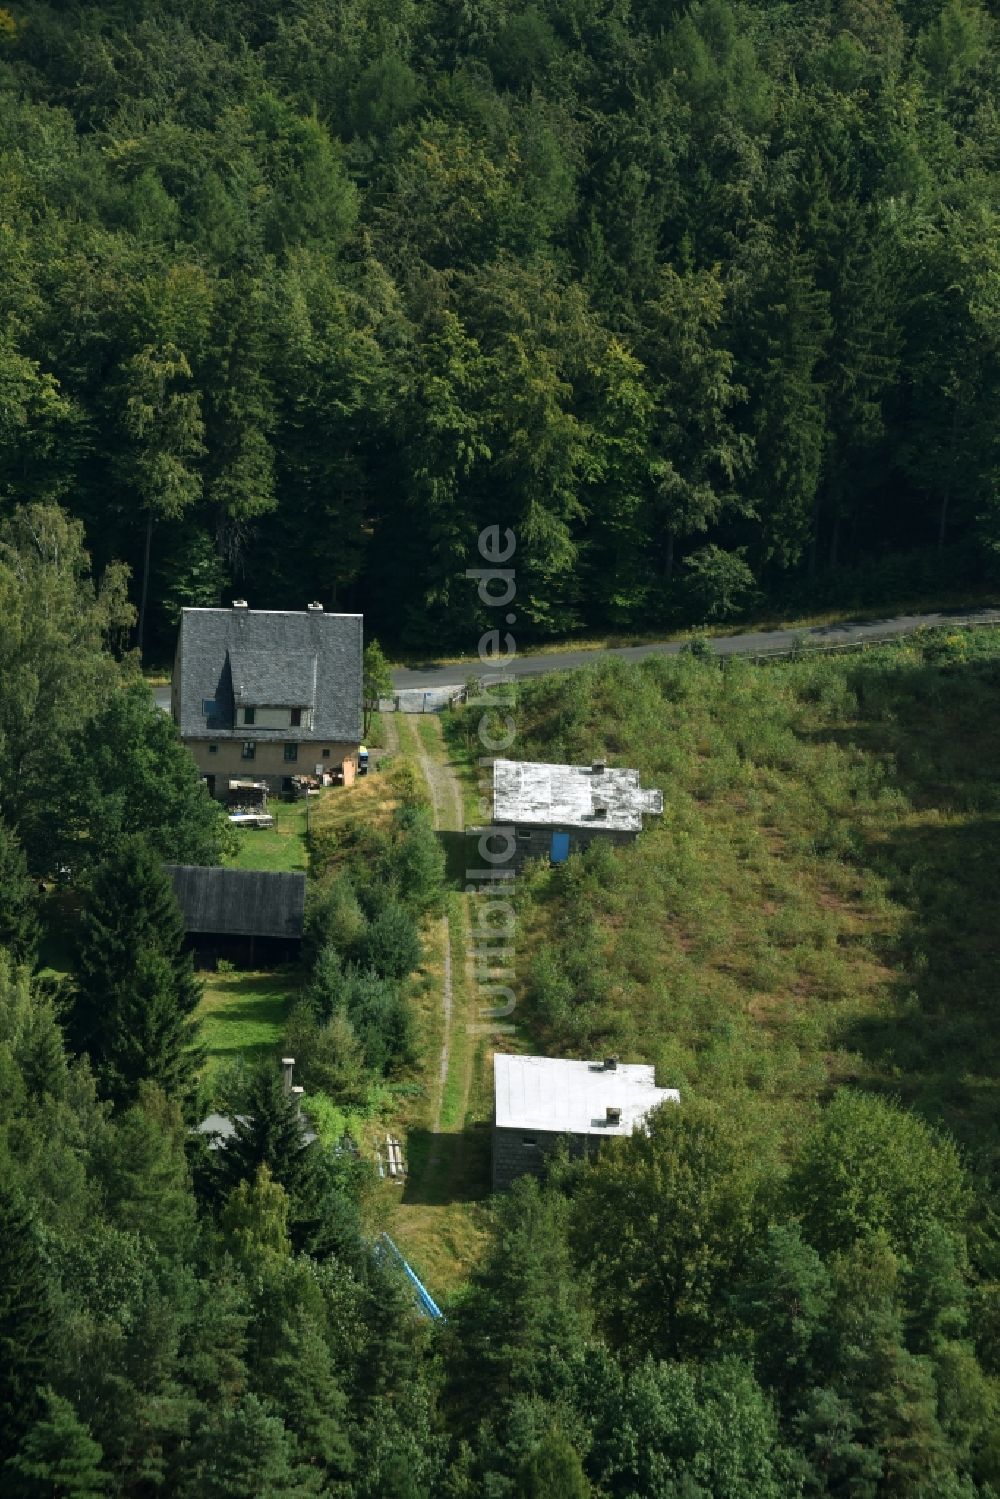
(269, 658)
(272, 678)
(239, 902)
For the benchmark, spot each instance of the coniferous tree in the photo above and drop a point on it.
(269, 1132)
(30, 1030)
(58, 1458)
(18, 900)
(26, 1321)
(247, 1449)
(142, 1171)
(523, 1321)
(136, 989)
(300, 1379)
(419, 860)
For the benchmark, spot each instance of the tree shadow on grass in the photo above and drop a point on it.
(455, 847)
(939, 1048)
(445, 1168)
(932, 726)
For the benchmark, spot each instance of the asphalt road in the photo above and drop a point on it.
(757, 643)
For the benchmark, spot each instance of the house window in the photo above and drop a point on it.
(296, 718)
(291, 752)
(249, 716)
(529, 1140)
(208, 706)
(249, 749)
(524, 832)
(326, 754)
(213, 749)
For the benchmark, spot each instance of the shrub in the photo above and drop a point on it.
(381, 1020)
(390, 944)
(328, 1055)
(326, 991)
(334, 918)
(419, 860)
(718, 584)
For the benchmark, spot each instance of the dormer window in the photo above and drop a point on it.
(295, 719)
(249, 716)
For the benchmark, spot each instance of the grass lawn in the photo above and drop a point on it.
(814, 905)
(281, 848)
(244, 1013)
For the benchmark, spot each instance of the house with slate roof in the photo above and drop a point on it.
(268, 693)
(250, 916)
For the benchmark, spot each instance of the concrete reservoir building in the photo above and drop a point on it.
(550, 811)
(539, 1100)
(268, 694)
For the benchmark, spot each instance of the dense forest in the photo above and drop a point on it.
(701, 299)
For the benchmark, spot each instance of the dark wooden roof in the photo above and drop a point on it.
(229, 658)
(239, 902)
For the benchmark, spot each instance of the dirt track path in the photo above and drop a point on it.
(390, 732)
(442, 783)
(438, 1218)
(446, 803)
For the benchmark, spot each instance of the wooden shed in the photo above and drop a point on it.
(252, 917)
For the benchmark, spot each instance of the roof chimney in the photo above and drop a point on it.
(597, 768)
(297, 1093)
(287, 1063)
(239, 603)
(315, 608)
(611, 1064)
(612, 1116)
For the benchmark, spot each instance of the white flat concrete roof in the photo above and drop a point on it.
(568, 1097)
(565, 796)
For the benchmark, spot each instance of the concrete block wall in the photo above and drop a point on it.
(522, 1152)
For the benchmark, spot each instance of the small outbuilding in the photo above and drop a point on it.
(540, 1100)
(252, 917)
(550, 811)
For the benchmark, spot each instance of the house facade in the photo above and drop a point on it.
(539, 1101)
(268, 694)
(543, 811)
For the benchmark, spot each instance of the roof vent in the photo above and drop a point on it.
(612, 1116)
(597, 768)
(611, 1064)
(600, 811)
(315, 608)
(240, 604)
